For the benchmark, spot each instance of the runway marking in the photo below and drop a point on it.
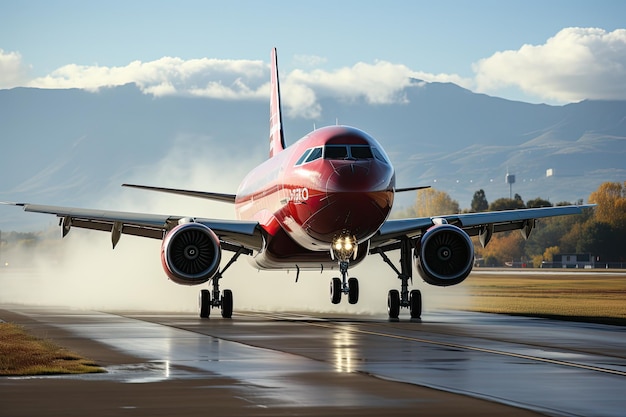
(450, 345)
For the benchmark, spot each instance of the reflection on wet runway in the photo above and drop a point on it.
(553, 367)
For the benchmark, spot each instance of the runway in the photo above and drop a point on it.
(307, 364)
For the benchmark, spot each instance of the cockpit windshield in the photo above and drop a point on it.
(343, 152)
(348, 152)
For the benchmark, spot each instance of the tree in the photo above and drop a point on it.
(507, 204)
(431, 202)
(602, 240)
(479, 202)
(538, 202)
(550, 252)
(504, 247)
(611, 200)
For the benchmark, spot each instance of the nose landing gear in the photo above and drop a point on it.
(344, 248)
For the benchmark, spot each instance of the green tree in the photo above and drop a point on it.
(602, 240)
(538, 203)
(479, 202)
(506, 204)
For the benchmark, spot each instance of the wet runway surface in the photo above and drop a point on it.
(287, 360)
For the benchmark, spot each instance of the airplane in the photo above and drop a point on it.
(322, 203)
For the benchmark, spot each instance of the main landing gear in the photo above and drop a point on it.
(213, 299)
(343, 248)
(403, 298)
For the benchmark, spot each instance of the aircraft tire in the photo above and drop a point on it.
(415, 304)
(353, 290)
(393, 304)
(335, 291)
(227, 304)
(205, 303)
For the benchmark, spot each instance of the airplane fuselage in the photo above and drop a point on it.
(334, 181)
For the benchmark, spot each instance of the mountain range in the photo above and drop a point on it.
(74, 147)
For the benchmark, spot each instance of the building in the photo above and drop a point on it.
(573, 260)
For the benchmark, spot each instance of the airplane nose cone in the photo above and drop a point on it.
(358, 199)
(352, 176)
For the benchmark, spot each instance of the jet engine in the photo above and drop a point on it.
(191, 254)
(444, 255)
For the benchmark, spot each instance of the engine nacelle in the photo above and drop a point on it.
(191, 254)
(444, 256)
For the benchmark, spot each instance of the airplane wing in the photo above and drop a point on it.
(225, 198)
(474, 224)
(233, 234)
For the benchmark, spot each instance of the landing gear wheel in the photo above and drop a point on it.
(415, 304)
(353, 290)
(205, 303)
(335, 291)
(393, 304)
(227, 304)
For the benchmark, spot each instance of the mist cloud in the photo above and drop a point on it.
(575, 64)
(82, 271)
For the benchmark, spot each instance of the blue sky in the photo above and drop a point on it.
(459, 41)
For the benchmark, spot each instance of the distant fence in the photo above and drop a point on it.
(584, 265)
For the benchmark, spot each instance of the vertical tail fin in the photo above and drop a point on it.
(277, 139)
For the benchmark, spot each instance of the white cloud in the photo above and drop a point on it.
(378, 83)
(13, 72)
(575, 64)
(163, 76)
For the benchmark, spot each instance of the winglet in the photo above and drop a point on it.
(277, 139)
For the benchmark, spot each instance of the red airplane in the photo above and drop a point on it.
(321, 203)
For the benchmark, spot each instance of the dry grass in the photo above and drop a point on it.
(597, 297)
(22, 354)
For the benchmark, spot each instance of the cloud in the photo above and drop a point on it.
(13, 72)
(575, 64)
(379, 84)
(165, 76)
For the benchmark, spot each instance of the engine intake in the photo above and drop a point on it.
(191, 254)
(444, 256)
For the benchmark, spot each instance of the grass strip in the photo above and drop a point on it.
(22, 355)
(594, 298)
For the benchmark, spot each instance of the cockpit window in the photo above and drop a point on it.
(348, 152)
(378, 155)
(309, 155)
(316, 153)
(361, 152)
(303, 157)
(357, 152)
(335, 152)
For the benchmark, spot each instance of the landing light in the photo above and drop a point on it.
(344, 247)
